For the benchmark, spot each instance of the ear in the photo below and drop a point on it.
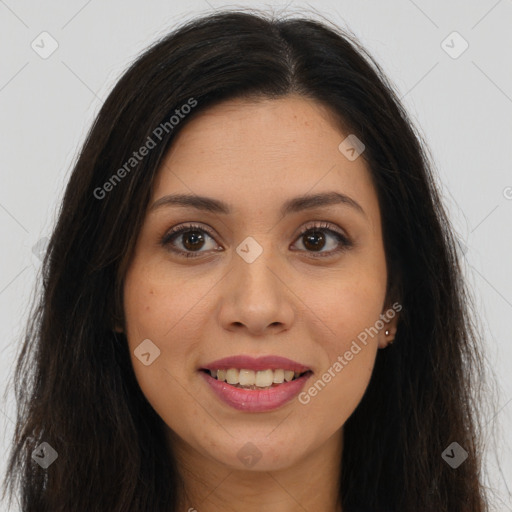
(390, 325)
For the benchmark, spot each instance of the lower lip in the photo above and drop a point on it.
(253, 400)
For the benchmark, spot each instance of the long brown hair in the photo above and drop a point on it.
(74, 383)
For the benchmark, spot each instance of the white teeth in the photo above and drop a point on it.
(278, 376)
(247, 378)
(232, 376)
(252, 379)
(264, 378)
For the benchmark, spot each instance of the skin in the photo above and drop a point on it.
(254, 155)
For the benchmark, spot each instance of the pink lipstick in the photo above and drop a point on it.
(255, 384)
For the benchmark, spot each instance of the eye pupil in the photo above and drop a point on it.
(192, 239)
(312, 237)
(196, 237)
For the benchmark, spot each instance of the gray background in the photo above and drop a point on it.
(462, 105)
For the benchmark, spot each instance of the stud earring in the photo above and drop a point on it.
(390, 342)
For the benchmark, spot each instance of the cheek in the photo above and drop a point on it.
(159, 310)
(156, 310)
(336, 389)
(351, 308)
(334, 394)
(351, 305)
(157, 303)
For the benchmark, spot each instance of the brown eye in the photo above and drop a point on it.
(315, 238)
(193, 240)
(191, 237)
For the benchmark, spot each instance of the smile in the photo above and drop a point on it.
(250, 379)
(256, 399)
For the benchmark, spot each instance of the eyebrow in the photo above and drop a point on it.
(294, 205)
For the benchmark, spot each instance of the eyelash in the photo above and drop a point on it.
(345, 243)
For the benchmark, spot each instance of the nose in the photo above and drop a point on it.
(256, 297)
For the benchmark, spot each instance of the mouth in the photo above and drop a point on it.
(255, 384)
(255, 380)
(267, 385)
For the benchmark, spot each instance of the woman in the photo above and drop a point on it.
(252, 297)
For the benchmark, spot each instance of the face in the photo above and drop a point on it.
(267, 278)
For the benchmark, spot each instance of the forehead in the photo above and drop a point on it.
(255, 154)
(278, 128)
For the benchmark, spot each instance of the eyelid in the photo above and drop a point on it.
(345, 242)
(320, 225)
(184, 228)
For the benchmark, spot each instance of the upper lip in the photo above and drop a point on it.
(256, 363)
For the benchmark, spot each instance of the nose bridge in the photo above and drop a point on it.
(255, 258)
(255, 296)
